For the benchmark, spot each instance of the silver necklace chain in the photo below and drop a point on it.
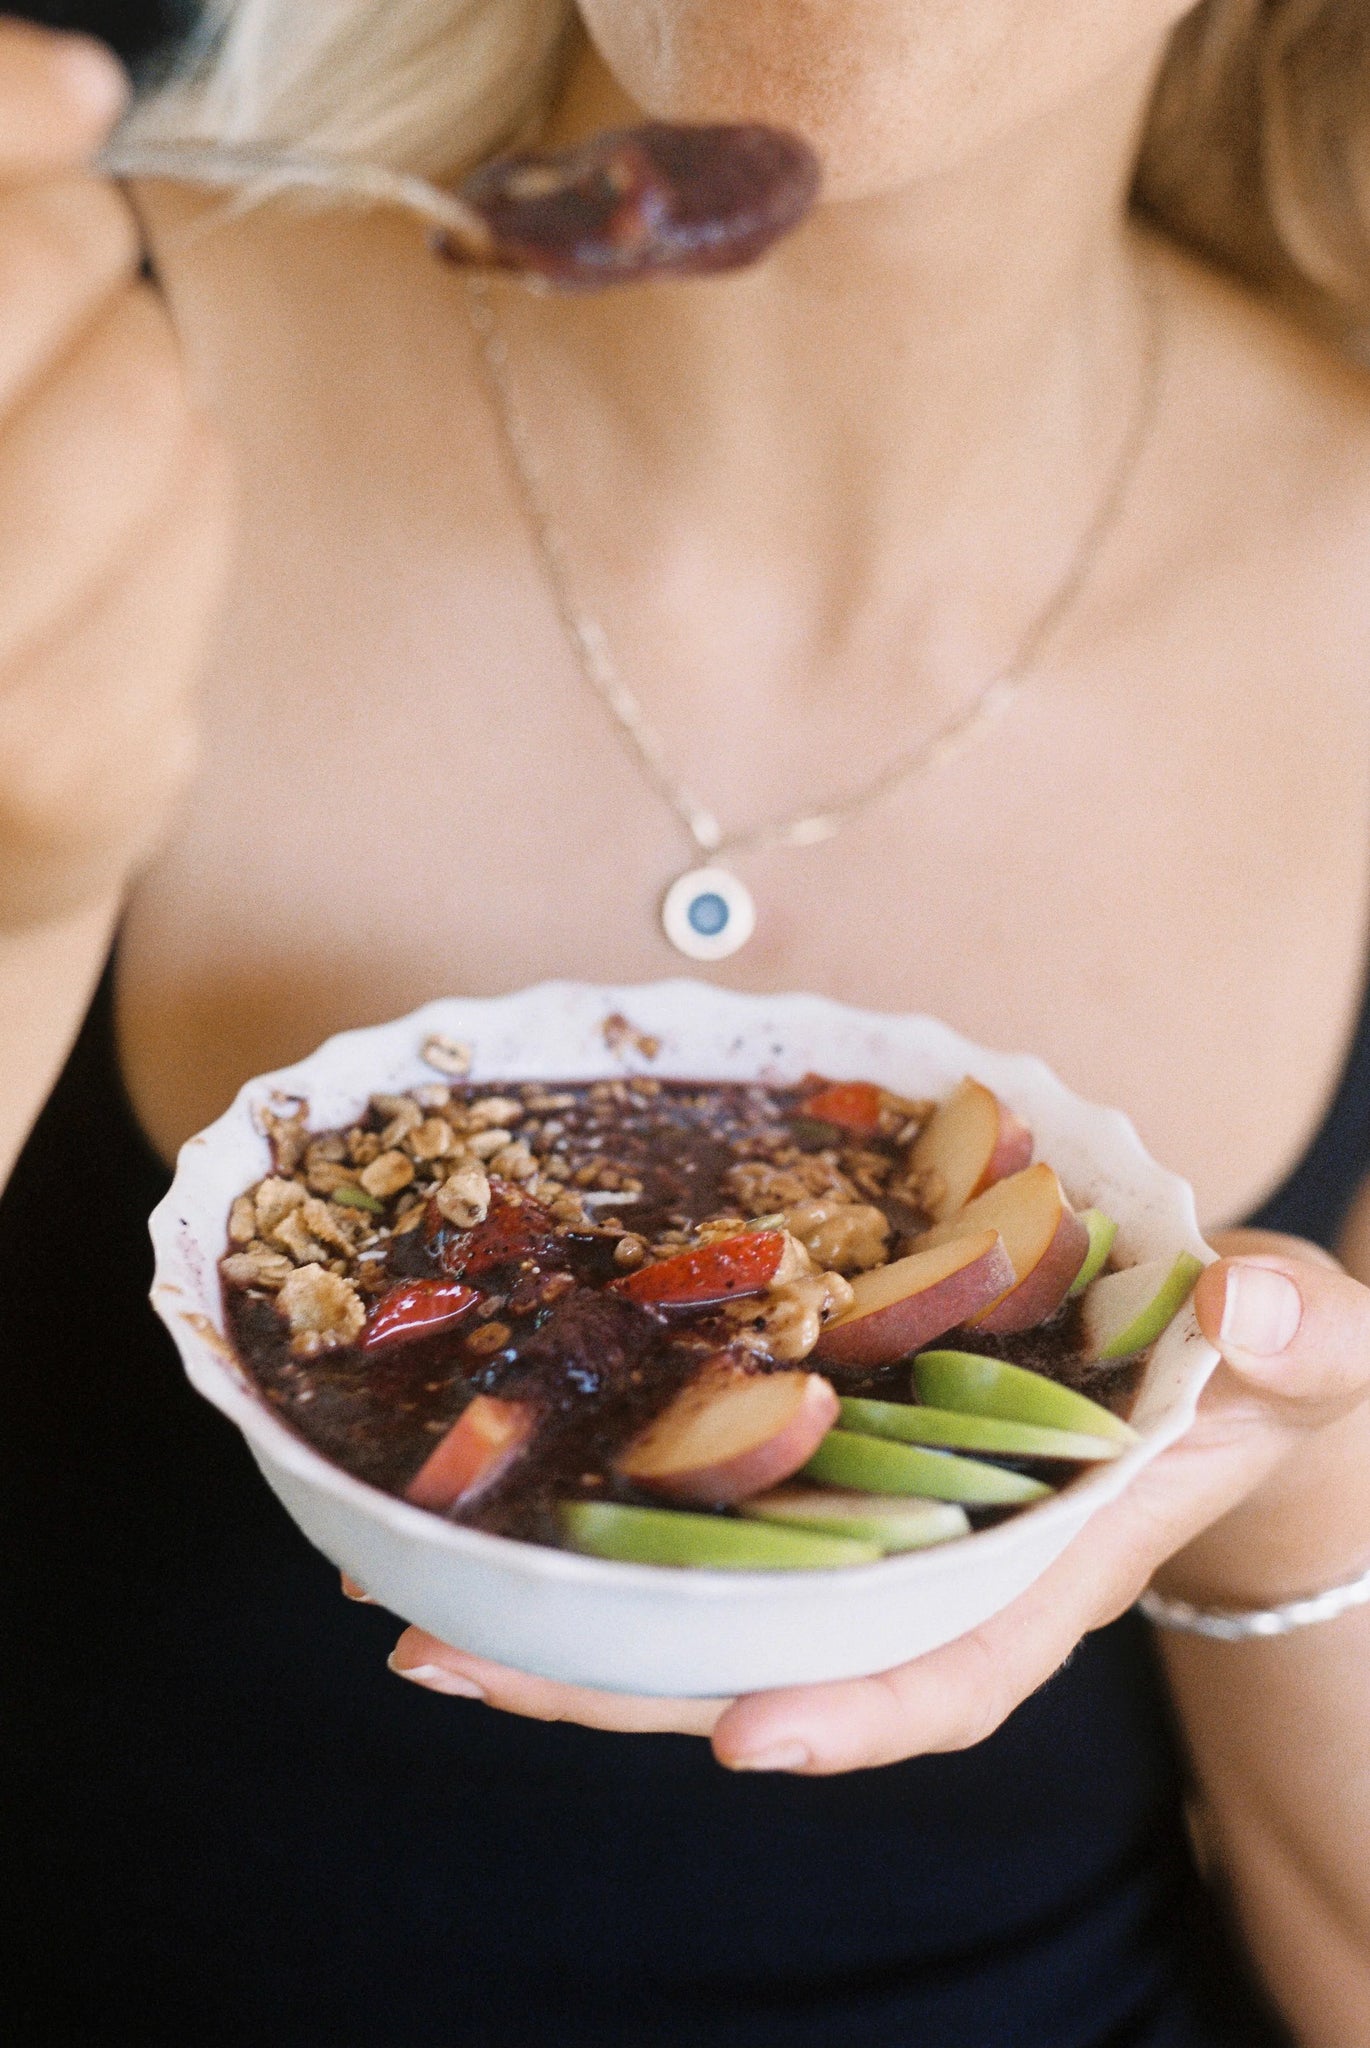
(595, 659)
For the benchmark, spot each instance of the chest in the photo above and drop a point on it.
(1152, 871)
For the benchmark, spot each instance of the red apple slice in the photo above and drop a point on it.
(481, 1444)
(731, 1434)
(1045, 1240)
(969, 1142)
(899, 1308)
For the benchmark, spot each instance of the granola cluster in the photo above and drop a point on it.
(322, 1233)
(317, 1232)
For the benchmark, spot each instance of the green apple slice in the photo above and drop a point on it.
(1102, 1231)
(661, 1536)
(872, 1464)
(895, 1522)
(954, 1432)
(972, 1385)
(1124, 1312)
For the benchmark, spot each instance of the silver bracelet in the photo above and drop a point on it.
(1235, 1625)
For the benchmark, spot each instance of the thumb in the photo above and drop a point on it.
(1296, 1331)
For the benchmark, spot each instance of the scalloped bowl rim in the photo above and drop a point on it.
(186, 1289)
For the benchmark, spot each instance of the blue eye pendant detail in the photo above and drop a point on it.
(708, 914)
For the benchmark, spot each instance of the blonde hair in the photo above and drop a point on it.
(1257, 150)
(422, 85)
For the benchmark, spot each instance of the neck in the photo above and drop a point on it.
(920, 373)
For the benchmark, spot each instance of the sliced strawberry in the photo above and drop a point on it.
(515, 1229)
(417, 1308)
(481, 1444)
(852, 1105)
(732, 1267)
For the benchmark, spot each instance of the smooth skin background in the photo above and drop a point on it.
(816, 506)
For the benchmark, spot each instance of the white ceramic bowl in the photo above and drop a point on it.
(644, 1628)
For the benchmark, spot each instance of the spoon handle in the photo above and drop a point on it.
(229, 165)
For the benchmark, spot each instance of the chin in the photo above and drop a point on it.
(771, 61)
(888, 91)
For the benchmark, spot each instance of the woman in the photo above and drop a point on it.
(817, 508)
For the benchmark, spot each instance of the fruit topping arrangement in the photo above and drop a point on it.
(724, 1324)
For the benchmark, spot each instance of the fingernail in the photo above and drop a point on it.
(437, 1678)
(352, 1591)
(1262, 1309)
(784, 1756)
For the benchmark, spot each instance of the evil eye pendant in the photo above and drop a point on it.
(708, 914)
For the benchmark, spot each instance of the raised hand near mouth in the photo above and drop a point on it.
(114, 510)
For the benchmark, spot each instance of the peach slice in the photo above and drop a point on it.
(730, 1434)
(898, 1308)
(969, 1142)
(481, 1444)
(1045, 1240)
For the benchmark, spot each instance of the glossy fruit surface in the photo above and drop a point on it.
(727, 1270)
(515, 1228)
(1043, 1237)
(972, 1385)
(417, 1308)
(730, 1434)
(873, 1464)
(954, 1432)
(896, 1308)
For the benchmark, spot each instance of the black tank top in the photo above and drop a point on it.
(228, 1824)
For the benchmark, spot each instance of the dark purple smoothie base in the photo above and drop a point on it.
(598, 1366)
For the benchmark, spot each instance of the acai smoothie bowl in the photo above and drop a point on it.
(670, 1340)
